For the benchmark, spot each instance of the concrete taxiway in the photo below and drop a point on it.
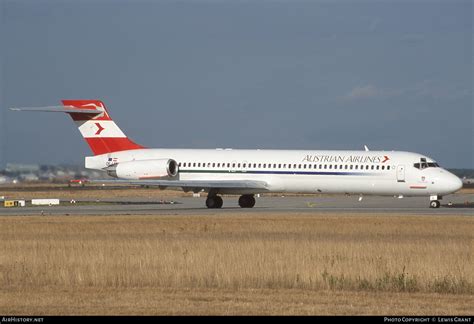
(458, 204)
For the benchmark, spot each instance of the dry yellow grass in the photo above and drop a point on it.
(200, 301)
(467, 190)
(245, 254)
(92, 193)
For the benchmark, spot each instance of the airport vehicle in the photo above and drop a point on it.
(249, 172)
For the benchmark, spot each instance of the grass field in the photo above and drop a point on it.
(237, 264)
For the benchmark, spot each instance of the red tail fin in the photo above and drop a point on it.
(98, 129)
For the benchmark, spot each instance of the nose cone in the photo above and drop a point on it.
(452, 183)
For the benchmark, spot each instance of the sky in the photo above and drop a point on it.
(392, 75)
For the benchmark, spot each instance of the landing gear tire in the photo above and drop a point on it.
(435, 204)
(247, 201)
(214, 202)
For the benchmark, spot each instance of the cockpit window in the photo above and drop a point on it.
(423, 164)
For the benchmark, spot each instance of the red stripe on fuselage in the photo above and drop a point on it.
(102, 145)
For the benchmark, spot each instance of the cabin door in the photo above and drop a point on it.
(401, 173)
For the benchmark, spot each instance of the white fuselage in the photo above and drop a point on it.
(349, 172)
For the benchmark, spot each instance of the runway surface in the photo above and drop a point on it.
(458, 204)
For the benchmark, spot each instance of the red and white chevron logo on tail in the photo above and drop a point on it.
(100, 129)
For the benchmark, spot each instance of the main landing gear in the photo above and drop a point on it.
(434, 201)
(245, 201)
(214, 202)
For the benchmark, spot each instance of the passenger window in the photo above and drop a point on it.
(330, 166)
(213, 165)
(383, 167)
(264, 165)
(378, 167)
(238, 165)
(245, 165)
(260, 165)
(372, 167)
(388, 167)
(289, 166)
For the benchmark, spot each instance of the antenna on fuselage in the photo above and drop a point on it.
(366, 148)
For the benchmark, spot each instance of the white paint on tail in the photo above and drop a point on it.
(100, 128)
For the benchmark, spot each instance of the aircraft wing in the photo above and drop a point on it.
(193, 184)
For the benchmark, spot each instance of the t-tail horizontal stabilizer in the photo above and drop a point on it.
(64, 109)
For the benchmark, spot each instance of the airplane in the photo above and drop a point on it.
(249, 172)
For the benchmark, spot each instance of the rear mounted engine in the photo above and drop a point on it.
(142, 170)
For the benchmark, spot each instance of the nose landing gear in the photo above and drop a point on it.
(435, 204)
(434, 201)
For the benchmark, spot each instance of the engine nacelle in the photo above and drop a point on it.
(142, 170)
